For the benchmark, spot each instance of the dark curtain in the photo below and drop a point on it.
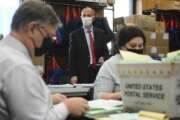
(170, 17)
(174, 39)
(172, 24)
(56, 59)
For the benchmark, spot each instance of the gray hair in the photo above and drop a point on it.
(30, 11)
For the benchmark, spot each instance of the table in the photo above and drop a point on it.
(72, 90)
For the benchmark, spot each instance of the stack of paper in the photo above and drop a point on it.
(101, 108)
(125, 116)
(71, 86)
(146, 115)
(84, 85)
(130, 57)
(104, 104)
(173, 56)
(61, 86)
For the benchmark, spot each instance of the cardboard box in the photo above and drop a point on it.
(160, 27)
(151, 86)
(145, 22)
(119, 23)
(160, 41)
(160, 50)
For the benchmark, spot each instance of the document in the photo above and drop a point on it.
(130, 57)
(101, 108)
(124, 116)
(173, 56)
(104, 104)
(147, 115)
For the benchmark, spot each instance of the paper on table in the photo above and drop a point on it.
(153, 115)
(70, 85)
(61, 86)
(84, 85)
(124, 116)
(106, 118)
(104, 104)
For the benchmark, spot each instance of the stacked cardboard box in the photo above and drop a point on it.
(145, 22)
(161, 42)
(154, 32)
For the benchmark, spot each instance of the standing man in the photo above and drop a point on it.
(23, 93)
(87, 49)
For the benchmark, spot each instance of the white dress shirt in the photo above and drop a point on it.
(23, 93)
(88, 42)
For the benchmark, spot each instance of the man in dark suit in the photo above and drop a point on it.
(87, 50)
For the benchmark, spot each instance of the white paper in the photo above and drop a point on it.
(124, 116)
(104, 104)
(84, 85)
(61, 86)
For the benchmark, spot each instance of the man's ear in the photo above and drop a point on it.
(30, 27)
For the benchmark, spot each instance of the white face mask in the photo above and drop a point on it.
(87, 21)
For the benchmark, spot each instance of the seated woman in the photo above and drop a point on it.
(129, 38)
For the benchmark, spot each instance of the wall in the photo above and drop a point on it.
(6, 14)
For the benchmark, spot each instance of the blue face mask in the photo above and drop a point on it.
(138, 51)
(46, 45)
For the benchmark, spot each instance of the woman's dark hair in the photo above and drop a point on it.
(126, 34)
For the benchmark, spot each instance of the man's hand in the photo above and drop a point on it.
(77, 106)
(101, 60)
(57, 98)
(74, 80)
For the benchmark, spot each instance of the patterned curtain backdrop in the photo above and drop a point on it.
(56, 61)
(172, 23)
(170, 17)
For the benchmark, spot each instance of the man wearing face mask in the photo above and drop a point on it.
(47, 42)
(23, 93)
(107, 86)
(87, 49)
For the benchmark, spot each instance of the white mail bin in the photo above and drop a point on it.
(153, 86)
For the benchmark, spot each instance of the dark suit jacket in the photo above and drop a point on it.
(79, 58)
